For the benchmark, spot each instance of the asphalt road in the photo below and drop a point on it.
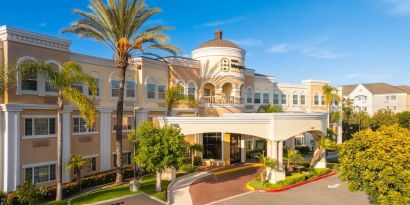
(315, 193)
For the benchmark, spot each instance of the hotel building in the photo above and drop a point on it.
(216, 76)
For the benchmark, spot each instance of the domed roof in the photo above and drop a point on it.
(218, 42)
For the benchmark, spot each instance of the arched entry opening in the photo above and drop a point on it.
(227, 93)
(208, 93)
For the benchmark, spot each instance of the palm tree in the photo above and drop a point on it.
(193, 148)
(268, 163)
(322, 143)
(331, 95)
(70, 73)
(293, 157)
(270, 108)
(77, 163)
(7, 78)
(118, 24)
(174, 96)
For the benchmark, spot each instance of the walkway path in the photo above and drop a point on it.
(178, 191)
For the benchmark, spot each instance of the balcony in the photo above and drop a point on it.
(221, 100)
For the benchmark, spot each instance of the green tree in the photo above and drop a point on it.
(293, 157)
(270, 108)
(27, 193)
(76, 163)
(119, 24)
(71, 73)
(159, 148)
(193, 148)
(383, 117)
(378, 163)
(7, 78)
(174, 96)
(404, 119)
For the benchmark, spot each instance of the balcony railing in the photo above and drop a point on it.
(221, 100)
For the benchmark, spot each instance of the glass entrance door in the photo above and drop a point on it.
(235, 148)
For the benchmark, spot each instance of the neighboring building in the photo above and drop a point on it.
(215, 76)
(375, 96)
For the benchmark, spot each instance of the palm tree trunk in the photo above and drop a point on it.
(192, 158)
(158, 182)
(118, 129)
(169, 111)
(78, 178)
(59, 173)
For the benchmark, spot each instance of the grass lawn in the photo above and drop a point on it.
(147, 186)
(63, 202)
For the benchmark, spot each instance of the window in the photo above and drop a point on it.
(299, 141)
(212, 146)
(130, 87)
(276, 99)
(265, 98)
(115, 88)
(283, 97)
(97, 82)
(191, 91)
(126, 158)
(161, 92)
(80, 126)
(127, 123)
(316, 100)
(151, 91)
(393, 97)
(387, 97)
(39, 126)
(29, 82)
(257, 99)
(302, 99)
(323, 100)
(295, 99)
(41, 174)
(91, 166)
(49, 87)
(249, 95)
(78, 87)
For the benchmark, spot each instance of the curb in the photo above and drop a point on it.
(249, 187)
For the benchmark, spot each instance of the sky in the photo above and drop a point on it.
(342, 41)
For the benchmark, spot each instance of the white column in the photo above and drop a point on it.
(253, 143)
(66, 141)
(11, 143)
(280, 154)
(105, 139)
(339, 132)
(243, 153)
(1, 142)
(270, 149)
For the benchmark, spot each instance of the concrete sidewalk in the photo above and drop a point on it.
(178, 190)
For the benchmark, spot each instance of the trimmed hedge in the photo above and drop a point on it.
(303, 149)
(197, 160)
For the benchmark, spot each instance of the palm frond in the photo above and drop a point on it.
(8, 73)
(84, 104)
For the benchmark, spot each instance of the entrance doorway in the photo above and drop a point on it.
(235, 148)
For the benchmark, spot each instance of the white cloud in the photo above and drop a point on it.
(401, 7)
(248, 42)
(370, 76)
(223, 22)
(279, 48)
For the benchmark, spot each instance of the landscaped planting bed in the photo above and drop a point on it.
(294, 178)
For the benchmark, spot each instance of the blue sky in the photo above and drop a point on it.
(343, 41)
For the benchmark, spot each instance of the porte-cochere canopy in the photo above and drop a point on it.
(270, 126)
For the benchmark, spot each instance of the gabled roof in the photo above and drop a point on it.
(405, 88)
(376, 88)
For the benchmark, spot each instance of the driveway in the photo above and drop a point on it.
(220, 186)
(133, 200)
(315, 193)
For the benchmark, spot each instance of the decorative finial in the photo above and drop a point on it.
(218, 34)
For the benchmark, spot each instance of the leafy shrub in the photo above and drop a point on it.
(186, 160)
(3, 197)
(188, 168)
(12, 199)
(303, 149)
(252, 151)
(28, 193)
(197, 161)
(293, 179)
